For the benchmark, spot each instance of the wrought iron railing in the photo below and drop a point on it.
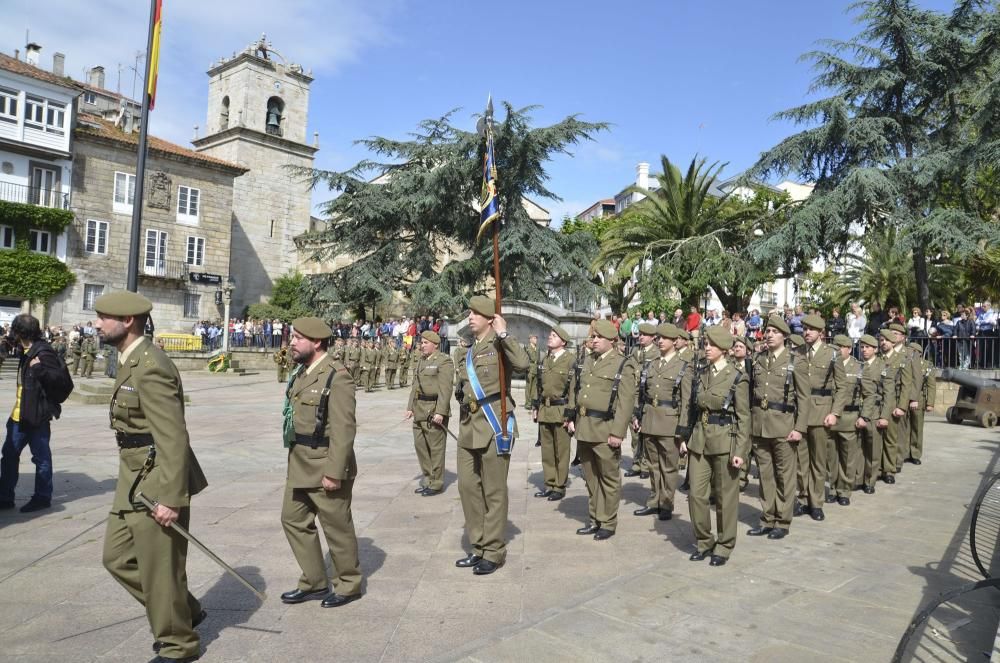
(176, 270)
(32, 195)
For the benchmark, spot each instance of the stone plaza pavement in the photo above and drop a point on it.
(841, 590)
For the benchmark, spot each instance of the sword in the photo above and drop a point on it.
(445, 428)
(202, 547)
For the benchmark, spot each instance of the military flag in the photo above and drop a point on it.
(488, 201)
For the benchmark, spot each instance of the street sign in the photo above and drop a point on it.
(205, 278)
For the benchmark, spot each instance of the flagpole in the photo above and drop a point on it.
(496, 280)
(140, 169)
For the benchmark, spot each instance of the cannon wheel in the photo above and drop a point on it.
(953, 416)
(988, 419)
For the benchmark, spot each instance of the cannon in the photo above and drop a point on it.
(978, 398)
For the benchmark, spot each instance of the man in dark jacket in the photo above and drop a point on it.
(40, 377)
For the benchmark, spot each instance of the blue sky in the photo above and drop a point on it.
(673, 77)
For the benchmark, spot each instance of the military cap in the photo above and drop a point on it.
(778, 323)
(916, 346)
(683, 333)
(465, 335)
(668, 330)
(605, 329)
(483, 305)
(123, 304)
(796, 340)
(719, 337)
(742, 340)
(869, 340)
(814, 321)
(561, 333)
(896, 327)
(843, 341)
(313, 328)
(888, 335)
(432, 336)
(647, 328)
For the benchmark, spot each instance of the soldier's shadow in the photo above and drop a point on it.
(231, 605)
(67, 487)
(575, 508)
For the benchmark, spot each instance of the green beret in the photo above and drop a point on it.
(896, 327)
(813, 321)
(719, 337)
(668, 330)
(561, 333)
(605, 329)
(683, 333)
(432, 336)
(313, 328)
(647, 328)
(122, 304)
(742, 340)
(796, 340)
(483, 305)
(869, 340)
(843, 341)
(778, 323)
(888, 335)
(916, 346)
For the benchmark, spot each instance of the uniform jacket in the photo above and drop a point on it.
(926, 382)
(899, 388)
(89, 347)
(594, 393)
(667, 396)
(822, 373)
(435, 376)
(712, 439)
(557, 377)
(475, 431)
(859, 395)
(535, 357)
(308, 466)
(148, 398)
(770, 375)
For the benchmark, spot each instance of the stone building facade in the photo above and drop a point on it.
(184, 250)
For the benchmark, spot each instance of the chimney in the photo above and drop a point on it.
(58, 64)
(31, 53)
(17, 54)
(642, 175)
(95, 77)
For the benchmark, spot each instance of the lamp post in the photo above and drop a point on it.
(227, 300)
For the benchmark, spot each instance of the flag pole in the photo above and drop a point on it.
(140, 169)
(496, 280)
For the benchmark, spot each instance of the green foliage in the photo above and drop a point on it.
(23, 217)
(289, 300)
(33, 276)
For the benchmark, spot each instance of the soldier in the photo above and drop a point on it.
(873, 435)
(796, 341)
(58, 345)
(536, 356)
(602, 408)
(683, 344)
(403, 364)
(897, 394)
(391, 356)
(718, 447)
(369, 359)
(74, 352)
(141, 551)
(319, 432)
(339, 353)
(911, 399)
(549, 399)
(661, 417)
(354, 361)
(646, 350)
(429, 407)
(845, 435)
(772, 422)
(926, 388)
(89, 351)
(482, 467)
(283, 362)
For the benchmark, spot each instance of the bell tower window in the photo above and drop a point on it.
(275, 109)
(224, 115)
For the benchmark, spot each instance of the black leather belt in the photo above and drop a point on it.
(478, 403)
(717, 419)
(549, 402)
(421, 397)
(852, 408)
(822, 392)
(596, 414)
(768, 405)
(133, 440)
(656, 402)
(310, 441)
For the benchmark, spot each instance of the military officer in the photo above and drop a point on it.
(683, 344)
(796, 341)
(88, 348)
(141, 551)
(873, 435)
(74, 352)
(661, 416)
(406, 358)
(899, 373)
(646, 350)
(819, 380)
(319, 433)
(719, 446)
(926, 388)
(367, 366)
(603, 407)
(391, 365)
(912, 400)
(537, 356)
(58, 345)
(845, 436)
(283, 362)
(429, 407)
(354, 360)
(482, 468)
(549, 398)
(772, 421)
(339, 352)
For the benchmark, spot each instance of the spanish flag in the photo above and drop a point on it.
(154, 53)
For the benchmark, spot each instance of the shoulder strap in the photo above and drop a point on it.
(324, 404)
(614, 387)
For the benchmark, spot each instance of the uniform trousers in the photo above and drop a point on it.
(602, 473)
(430, 442)
(663, 453)
(816, 438)
(894, 436)
(150, 562)
(847, 446)
(776, 460)
(916, 450)
(713, 475)
(300, 510)
(482, 486)
(555, 455)
(88, 366)
(873, 448)
(640, 457)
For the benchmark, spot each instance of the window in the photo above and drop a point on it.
(39, 241)
(196, 251)
(89, 98)
(6, 237)
(34, 111)
(90, 293)
(55, 117)
(45, 186)
(97, 237)
(8, 105)
(40, 113)
(187, 204)
(124, 193)
(192, 305)
(156, 252)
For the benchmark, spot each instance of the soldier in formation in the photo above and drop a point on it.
(429, 407)
(548, 396)
(283, 362)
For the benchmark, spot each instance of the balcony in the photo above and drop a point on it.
(30, 195)
(169, 270)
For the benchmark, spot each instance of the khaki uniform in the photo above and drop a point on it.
(282, 362)
(639, 358)
(430, 395)
(391, 365)
(720, 431)
(89, 351)
(925, 384)
(898, 395)
(333, 456)
(844, 462)
(74, 352)
(354, 363)
(772, 418)
(873, 439)
(406, 357)
(819, 380)
(552, 403)
(368, 371)
(482, 474)
(600, 415)
(662, 408)
(149, 561)
(535, 356)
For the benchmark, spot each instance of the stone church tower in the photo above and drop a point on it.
(258, 106)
